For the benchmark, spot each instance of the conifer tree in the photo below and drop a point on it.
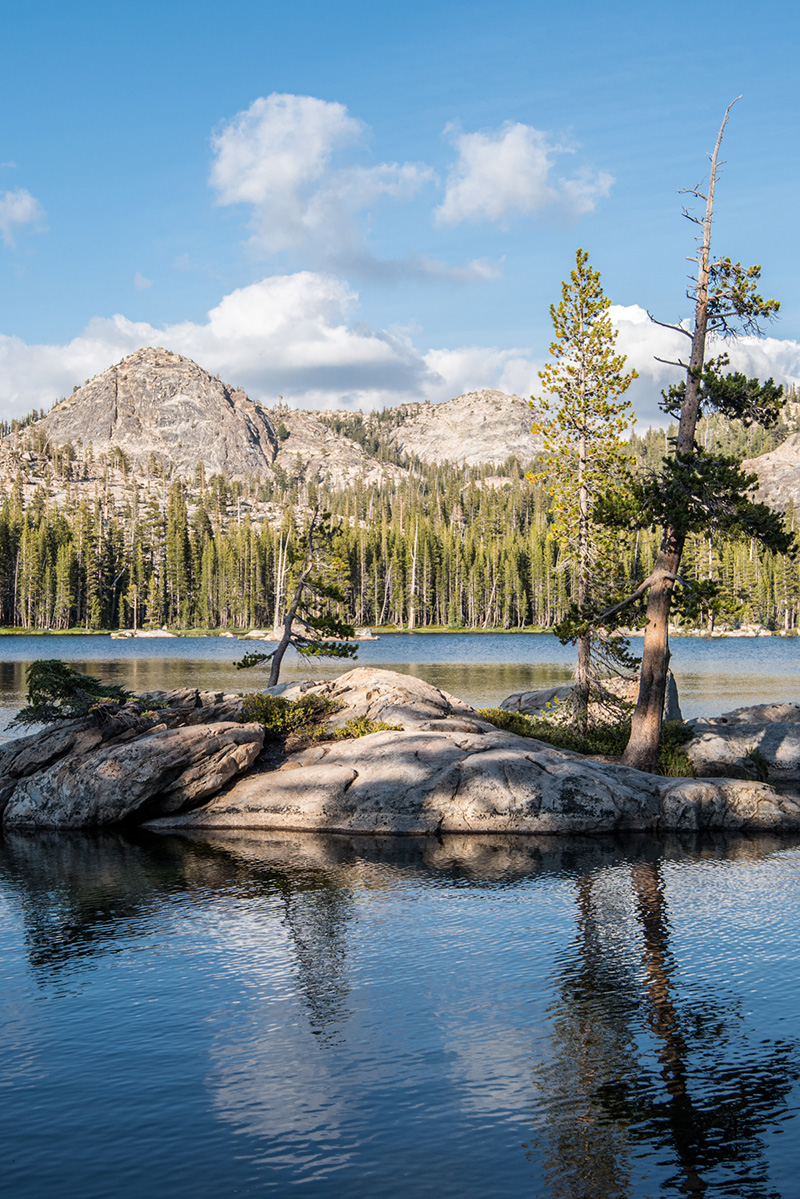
(584, 417)
(309, 623)
(697, 489)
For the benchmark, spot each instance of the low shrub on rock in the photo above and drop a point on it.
(57, 692)
(359, 726)
(280, 716)
(607, 739)
(305, 718)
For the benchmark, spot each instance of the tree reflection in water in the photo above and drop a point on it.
(650, 1080)
(318, 908)
(639, 1062)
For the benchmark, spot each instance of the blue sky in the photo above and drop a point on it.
(359, 204)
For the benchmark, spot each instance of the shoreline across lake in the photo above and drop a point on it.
(713, 675)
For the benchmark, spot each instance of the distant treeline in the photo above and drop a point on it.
(446, 546)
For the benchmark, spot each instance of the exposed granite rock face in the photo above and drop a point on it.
(27, 755)
(778, 474)
(537, 703)
(477, 428)
(739, 743)
(754, 714)
(166, 771)
(419, 782)
(156, 402)
(400, 699)
(85, 774)
(324, 455)
(449, 771)
(444, 770)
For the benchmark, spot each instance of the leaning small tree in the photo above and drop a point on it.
(696, 490)
(56, 691)
(308, 622)
(584, 420)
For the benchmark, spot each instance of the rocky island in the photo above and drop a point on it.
(191, 763)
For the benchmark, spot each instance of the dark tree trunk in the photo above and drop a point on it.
(645, 740)
(644, 745)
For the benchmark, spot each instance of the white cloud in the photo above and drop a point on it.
(517, 370)
(472, 368)
(643, 342)
(278, 157)
(508, 172)
(290, 335)
(141, 282)
(18, 209)
(297, 336)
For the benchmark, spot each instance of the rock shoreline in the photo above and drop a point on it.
(194, 765)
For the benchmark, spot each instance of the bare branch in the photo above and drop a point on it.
(630, 599)
(635, 595)
(669, 362)
(693, 191)
(666, 325)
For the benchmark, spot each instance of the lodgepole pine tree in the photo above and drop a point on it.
(696, 490)
(308, 623)
(584, 419)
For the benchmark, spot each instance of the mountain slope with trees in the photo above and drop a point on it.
(101, 539)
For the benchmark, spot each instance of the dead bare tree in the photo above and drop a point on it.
(697, 489)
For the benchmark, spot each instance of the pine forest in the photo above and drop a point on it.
(86, 543)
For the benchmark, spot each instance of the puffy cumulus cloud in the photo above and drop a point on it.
(290, 335)
(644, 343)
(509, 172)
(277, 157)
(17, 210)
(293, 335)
(473, 368)
(297, 336)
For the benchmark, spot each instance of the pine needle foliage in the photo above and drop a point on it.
(57, 692)
(583, 419)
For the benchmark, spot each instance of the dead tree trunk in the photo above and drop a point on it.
(645, 740)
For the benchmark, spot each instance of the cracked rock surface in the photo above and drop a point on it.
(193, 765)
(763, 737)
(446, 770)
(83, 774)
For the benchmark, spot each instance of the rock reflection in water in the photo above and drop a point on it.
(458, 1015)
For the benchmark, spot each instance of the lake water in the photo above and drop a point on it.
(482, 668)
(355, 1017)
(240, 1014)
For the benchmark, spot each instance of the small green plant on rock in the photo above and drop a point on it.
(57, 692)
(280, 716)
(606, 739)
(758, 762)
(359, 726)
(601, 739)
(305, 718)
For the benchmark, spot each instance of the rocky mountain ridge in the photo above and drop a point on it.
(158, 405)
(473, 429)
(156, 412)
(778, 474)
(160, 411)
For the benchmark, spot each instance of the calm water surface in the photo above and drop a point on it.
(333, 1016)
(713, 675)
